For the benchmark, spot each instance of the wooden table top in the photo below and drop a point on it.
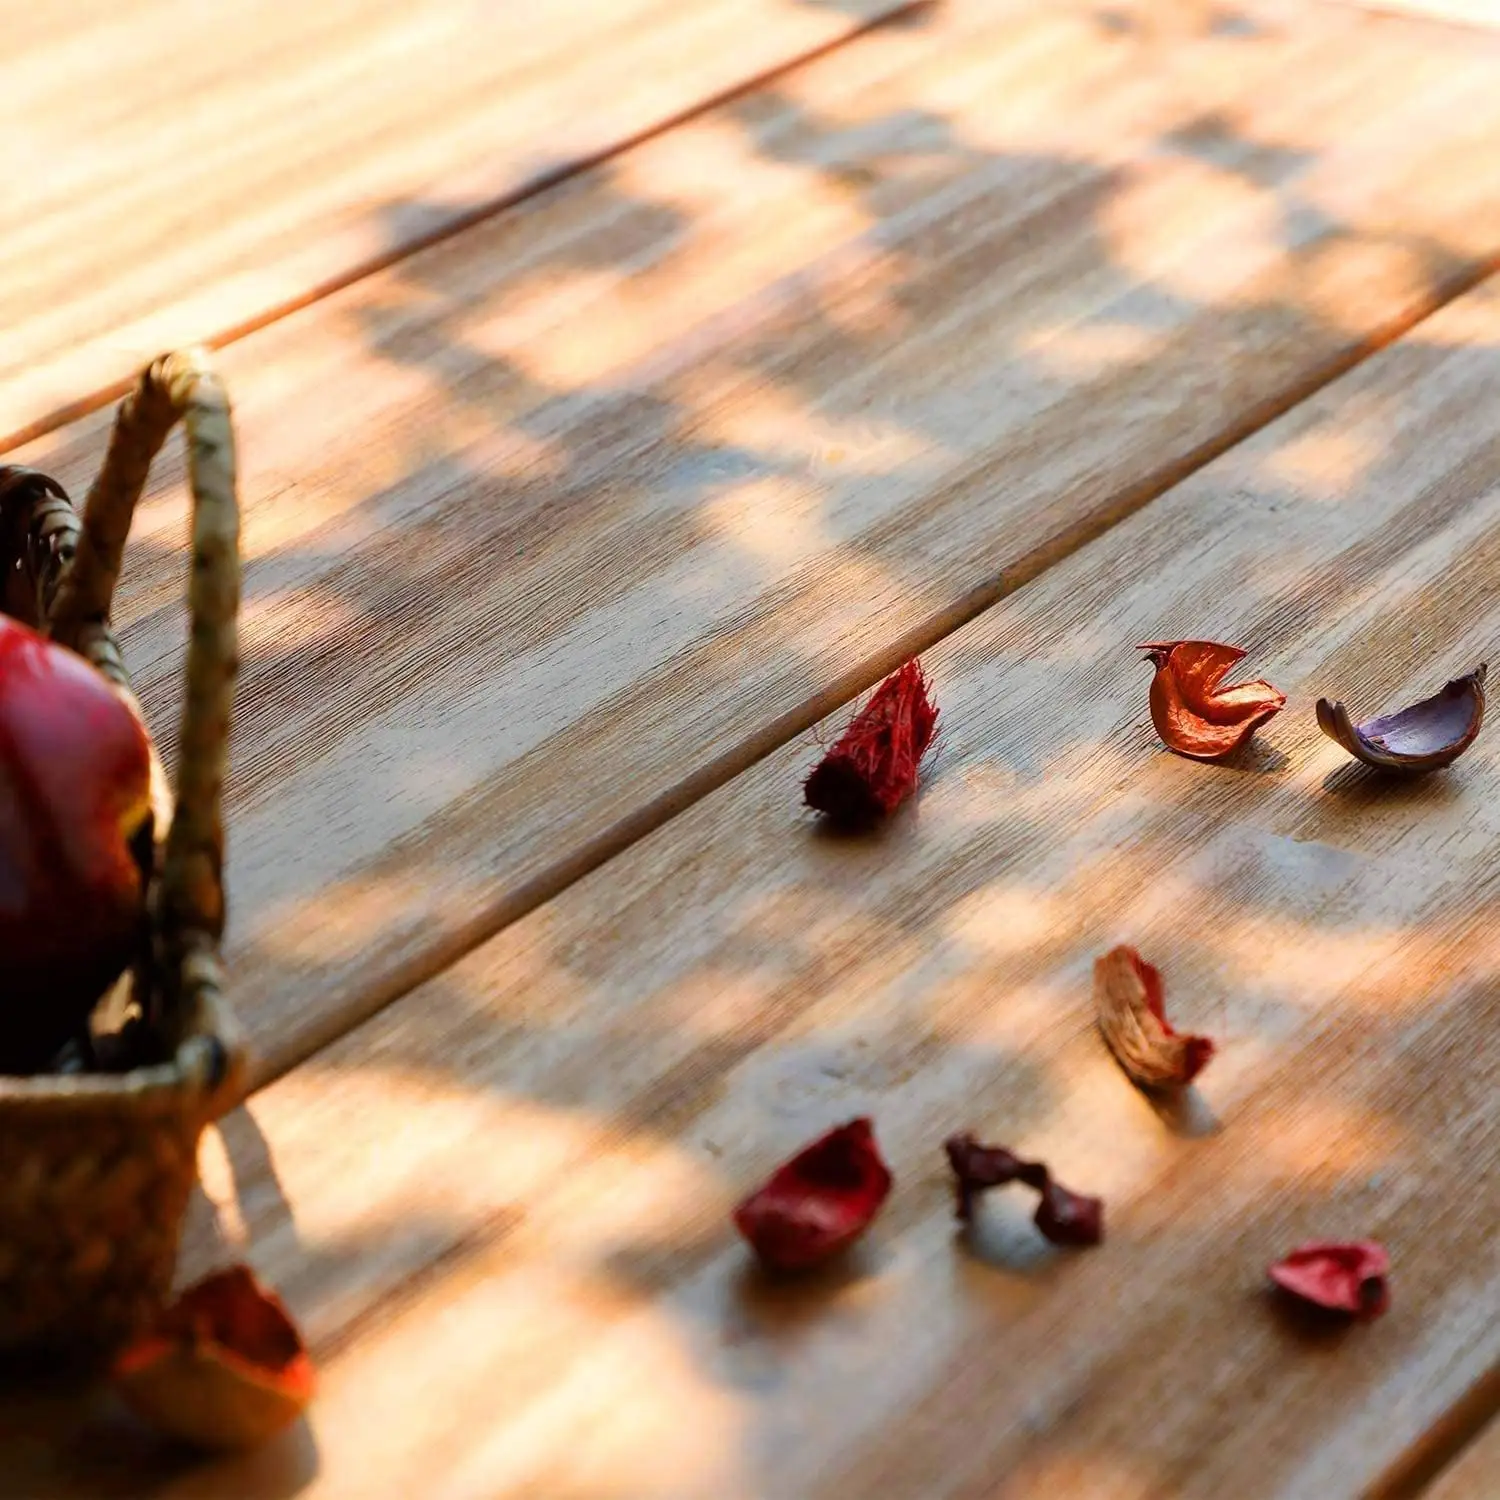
(623, 390)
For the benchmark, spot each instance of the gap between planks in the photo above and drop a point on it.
(530, 186)
(1458, 1457)
(1472, 1474)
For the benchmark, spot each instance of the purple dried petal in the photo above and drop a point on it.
(1423, 737)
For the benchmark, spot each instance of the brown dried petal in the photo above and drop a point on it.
(1128, 996)
(1193, 712)
(1424, 737)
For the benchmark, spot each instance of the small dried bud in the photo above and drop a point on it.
(872, 768)
(1192, 712)
(1128, 997)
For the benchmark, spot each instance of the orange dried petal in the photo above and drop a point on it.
(1193, 712)
(223, 1367)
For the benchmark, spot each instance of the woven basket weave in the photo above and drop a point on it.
(96, 1168)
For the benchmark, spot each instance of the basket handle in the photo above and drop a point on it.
(190, 899)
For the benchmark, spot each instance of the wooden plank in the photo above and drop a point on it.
(648, 477)
(501, 1207)
(180, 172)
(1465, 12)
(1476, 1476)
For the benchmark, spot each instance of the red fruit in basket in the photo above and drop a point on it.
(75, 783)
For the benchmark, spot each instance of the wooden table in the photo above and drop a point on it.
(625, 389)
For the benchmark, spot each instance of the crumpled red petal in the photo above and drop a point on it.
(872, 768)
(1064, 1217)
(817, 1204)
(223, 1367)
(1348, 1276)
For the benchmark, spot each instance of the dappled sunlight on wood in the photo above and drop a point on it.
(1335, 277)
(1088, 351)
(289, 619)
(784, 427)
(1001, 921)
(365, 906)
(1199, 248)
(1329, 463)
(307, 150)
(1328, 1141)
(776, 527)
(655, 1426)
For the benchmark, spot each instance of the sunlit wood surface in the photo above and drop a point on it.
(553, 526)
(177, 170)
(1465, 12)
(1019, 333)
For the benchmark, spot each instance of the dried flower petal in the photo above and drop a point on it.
(872, 768)
(1424, 737)
(1192, 712)
(1129, 999)
(224, 1366)
(1064, 1217)
(1342, 1276)
(818, 1203)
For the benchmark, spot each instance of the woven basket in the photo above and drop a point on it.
(96, 1168)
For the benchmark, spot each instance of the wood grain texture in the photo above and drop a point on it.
(501, 1207)
(1465, 12)
(555, 526)
(180, 171)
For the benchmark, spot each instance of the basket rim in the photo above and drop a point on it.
(200, 1066)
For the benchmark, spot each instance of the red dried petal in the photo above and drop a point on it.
(818, 1203)
(223, 1367)
(872, 768)
(1343, 1276)
(1063, 1217)
(1194, 714)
